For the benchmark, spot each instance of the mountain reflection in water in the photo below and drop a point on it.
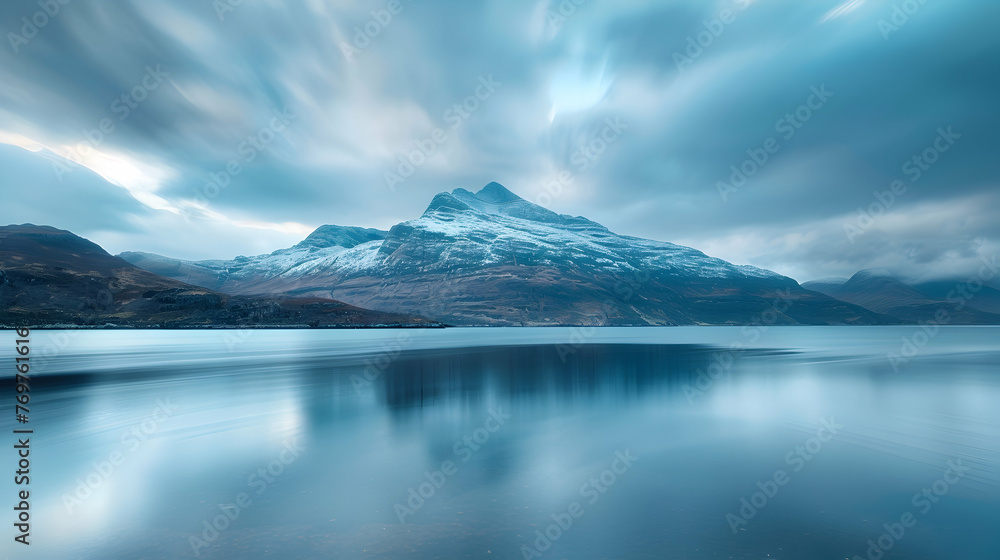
(313, 444)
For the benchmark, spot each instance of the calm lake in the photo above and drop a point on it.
(787, 443)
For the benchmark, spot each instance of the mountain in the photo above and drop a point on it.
(322, 244)
(825, 285)
(493, 258)
(983, 298)
(51, 277)
(879, 291)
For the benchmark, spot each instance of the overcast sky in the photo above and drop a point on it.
(631, 113)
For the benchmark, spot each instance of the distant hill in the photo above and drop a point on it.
(985, 298)
(880, 292)
(53, 277)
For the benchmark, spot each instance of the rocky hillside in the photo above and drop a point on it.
(53, 277)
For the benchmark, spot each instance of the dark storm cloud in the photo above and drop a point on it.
(354, 102)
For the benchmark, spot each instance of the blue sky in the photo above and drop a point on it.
(200, 129)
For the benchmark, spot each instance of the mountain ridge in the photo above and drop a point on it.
(492, 258)
(879, 291)
(52, 277)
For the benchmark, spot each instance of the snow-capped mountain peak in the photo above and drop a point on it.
(495, 200)
(492, 257)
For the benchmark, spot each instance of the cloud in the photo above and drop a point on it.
(842, 10)
(924, 241)
(225, 78)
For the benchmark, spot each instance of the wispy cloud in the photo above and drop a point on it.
(225, 80)
(842, 10)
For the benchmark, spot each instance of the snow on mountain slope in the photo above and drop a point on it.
(462, 229)
(495, 226)
(491, 257)
(326, 248)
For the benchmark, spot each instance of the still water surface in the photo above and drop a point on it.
(613, 443)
